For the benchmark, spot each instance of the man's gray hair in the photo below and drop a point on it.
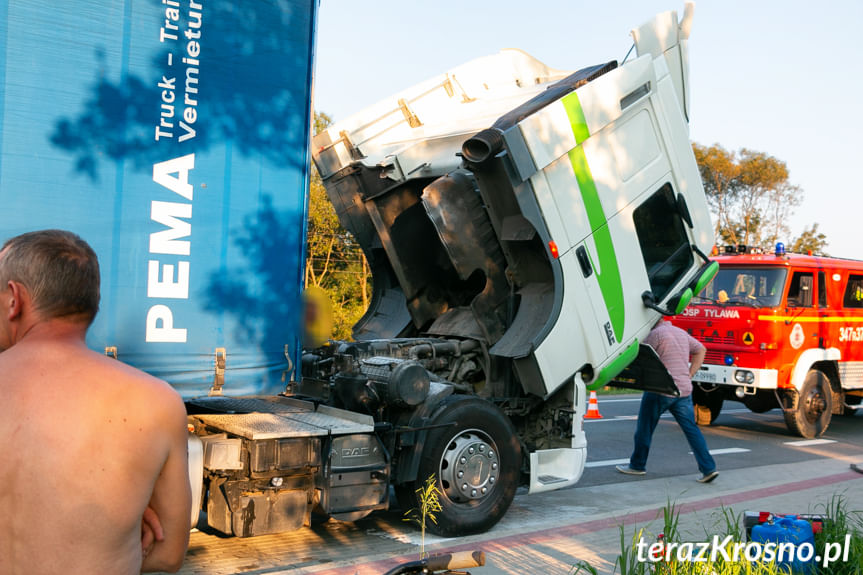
(58, 269)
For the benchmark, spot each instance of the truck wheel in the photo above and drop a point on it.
(814, 406)
(706, 405)
(475, 463)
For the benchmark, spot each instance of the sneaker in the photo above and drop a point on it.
(629, 470)
(708, 477)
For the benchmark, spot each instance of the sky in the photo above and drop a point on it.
(780, 77)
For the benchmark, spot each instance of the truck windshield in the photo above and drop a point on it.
(756, 287)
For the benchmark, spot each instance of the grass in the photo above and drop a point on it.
(840, 522)
(429, 505)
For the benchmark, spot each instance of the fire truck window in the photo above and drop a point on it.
(822, 290)
(800, 290)
(853, 292)
(757, 287)
(664, 244)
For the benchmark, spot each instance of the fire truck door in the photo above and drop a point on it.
(824, 336)
(800, 301)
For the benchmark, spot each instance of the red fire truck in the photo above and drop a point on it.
(781, 330)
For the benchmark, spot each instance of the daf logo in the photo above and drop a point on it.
(609, 333)
(355, 452)
(349, 452)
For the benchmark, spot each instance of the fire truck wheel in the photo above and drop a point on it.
(814, 406)
(706, 405)
(476, 463)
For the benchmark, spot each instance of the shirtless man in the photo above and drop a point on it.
(94, 477)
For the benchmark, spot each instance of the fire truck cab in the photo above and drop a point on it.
(781, 330)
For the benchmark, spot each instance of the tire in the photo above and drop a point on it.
(814, 407)
(706, 405)
(482, 443)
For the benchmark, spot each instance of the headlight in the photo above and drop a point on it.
(744, 376)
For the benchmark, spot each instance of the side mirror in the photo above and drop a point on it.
(706, 274)
(678, 302)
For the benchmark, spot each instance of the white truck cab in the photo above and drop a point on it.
(546, 217)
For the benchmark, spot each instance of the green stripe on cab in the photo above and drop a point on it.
(608, 275)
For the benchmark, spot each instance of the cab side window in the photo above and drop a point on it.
(800, 290)
(853, 292)
(663, 241)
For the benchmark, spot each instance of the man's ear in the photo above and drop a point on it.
(13, 303)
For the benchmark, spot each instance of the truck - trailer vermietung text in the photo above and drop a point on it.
(781, 330)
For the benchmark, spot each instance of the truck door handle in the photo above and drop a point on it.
(583, 261)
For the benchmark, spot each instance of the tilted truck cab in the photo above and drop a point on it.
(524, 225)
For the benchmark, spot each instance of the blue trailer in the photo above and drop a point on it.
(525, 226)
(148, 129)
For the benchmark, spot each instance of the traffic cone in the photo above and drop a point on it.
(592, 408)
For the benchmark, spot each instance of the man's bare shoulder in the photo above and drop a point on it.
(75, 365)
(138, 384)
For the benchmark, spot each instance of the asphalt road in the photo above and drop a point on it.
(737, 439)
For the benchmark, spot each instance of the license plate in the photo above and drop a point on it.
(704, 376)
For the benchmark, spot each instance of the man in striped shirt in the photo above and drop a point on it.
(682, 355)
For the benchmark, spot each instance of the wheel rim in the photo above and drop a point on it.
(469, 466)
(814, 404)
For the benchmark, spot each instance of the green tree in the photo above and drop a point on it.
(334, 260)
(749, 194)
(810, 240)
(720, 175)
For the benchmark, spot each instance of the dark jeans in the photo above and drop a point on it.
(652, 406)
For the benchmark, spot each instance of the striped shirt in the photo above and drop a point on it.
(674, 348)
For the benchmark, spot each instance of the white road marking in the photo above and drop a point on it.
(620, 400)
(615, 418)
(727, 450)
(807, 442)
(609, 462)
(663, 416)
(606, 463)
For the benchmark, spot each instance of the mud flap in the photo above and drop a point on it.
(646, 373)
